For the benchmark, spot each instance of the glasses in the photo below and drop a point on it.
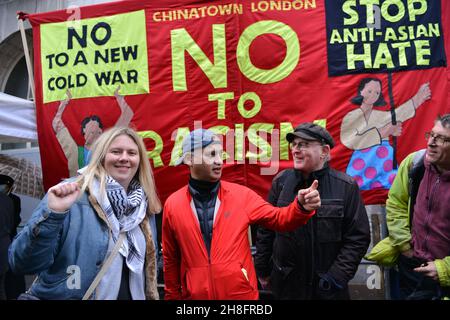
(438, 139)
(303, 145)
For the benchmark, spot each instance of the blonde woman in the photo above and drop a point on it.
(82, 222)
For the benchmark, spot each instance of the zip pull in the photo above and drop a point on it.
(433, 191)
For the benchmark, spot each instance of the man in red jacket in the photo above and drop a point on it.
(205, 241)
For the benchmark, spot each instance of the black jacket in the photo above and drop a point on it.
(17, 209)
(6, 229)
(317, 260)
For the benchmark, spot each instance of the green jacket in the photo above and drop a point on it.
(398, 222)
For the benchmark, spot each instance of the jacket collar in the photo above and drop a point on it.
(223, 188)
(318, 174)
(97, 208)
(445, 176)
(202, 189)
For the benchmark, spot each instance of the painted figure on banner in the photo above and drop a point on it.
(366, 130)
(91, 129)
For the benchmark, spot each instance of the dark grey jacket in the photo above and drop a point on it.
(317, 260)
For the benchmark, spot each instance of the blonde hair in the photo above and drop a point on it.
(96, 169)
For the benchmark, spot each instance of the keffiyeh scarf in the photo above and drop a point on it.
(124, 213)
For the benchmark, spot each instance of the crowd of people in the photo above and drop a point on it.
(94, 235)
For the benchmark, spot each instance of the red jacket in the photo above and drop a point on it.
(229, 272)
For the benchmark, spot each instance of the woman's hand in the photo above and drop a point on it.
(391, 130)
(423, 94)
(62, 196)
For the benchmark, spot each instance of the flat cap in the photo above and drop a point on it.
(313, 132)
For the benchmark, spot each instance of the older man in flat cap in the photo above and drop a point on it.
(317, 260)
(206, 249)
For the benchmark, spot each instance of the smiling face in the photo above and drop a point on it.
(206, 164)
(309, 156)
(439, 154)
(371, 92)
(122, 160)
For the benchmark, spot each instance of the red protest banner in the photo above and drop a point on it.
(250, 70)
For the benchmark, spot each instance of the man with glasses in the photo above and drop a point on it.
(204, 232)
(318, 260)
(418, 217)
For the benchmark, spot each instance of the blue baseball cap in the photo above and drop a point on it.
(199, 138)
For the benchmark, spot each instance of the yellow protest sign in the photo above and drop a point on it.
(92, 57)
